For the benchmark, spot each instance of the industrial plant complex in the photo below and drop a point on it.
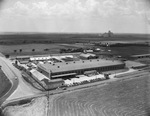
(48, 72)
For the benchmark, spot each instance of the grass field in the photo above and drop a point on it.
(130, 50)
(39, 48)
(27, 48)
(14, 38)
(5, 84)
(55, 48)
(123, 98)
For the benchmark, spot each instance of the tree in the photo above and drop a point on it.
(46, 49)
(15, 51)
(24, 41)
(20, 50)
(7, 55)
(62, 50)
(1, 112)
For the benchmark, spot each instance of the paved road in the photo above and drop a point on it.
(20, 87)
(11, 76)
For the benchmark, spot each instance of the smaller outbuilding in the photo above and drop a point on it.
(53, 84)
(140, 56)
(88, 56)
(135, 65)
(36, 74)
(47, 83)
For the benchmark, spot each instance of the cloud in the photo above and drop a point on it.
(78, 8)
(1, 2)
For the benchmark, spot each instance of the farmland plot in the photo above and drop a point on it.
(127, 98)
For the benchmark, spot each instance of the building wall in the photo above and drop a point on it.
(54, 85)
(43, 72)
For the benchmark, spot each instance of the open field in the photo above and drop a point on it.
(5, 84)
(124, 98)
(27, 48)
(53, 42)
(35, 108)
(23, 38)
(130, 50)
(39, 48)
(125, 52)
(55, 49)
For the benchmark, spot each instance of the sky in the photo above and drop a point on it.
(75, 16)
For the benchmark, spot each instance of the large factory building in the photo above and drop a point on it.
(68, 69)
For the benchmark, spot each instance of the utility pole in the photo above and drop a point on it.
(50, 74)
(48, 104)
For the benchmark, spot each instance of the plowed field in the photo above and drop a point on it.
(126, 98)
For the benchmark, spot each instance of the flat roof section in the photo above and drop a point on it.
(130, 64)
(62, 75)
(140, 55)
(38, 75)
(87, 55)
(77, 65)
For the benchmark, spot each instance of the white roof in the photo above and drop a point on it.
(57, 57)
(38, 75)
(70, 56)
(87, 55)
(83, 78)
(24, 65)
(40, 58)
(68, 82)
(41, 62)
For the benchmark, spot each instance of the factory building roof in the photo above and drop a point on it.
(38, 75)
(22, 57)
(140, 55)
(134, 64)
(77, 65)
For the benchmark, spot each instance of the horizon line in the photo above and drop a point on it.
(3, 33)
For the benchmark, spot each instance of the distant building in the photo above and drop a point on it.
(140, 56)
(23, 59)
(108, 34)
(88, 51)
(88, 56)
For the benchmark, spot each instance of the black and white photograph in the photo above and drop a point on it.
(74, 57)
